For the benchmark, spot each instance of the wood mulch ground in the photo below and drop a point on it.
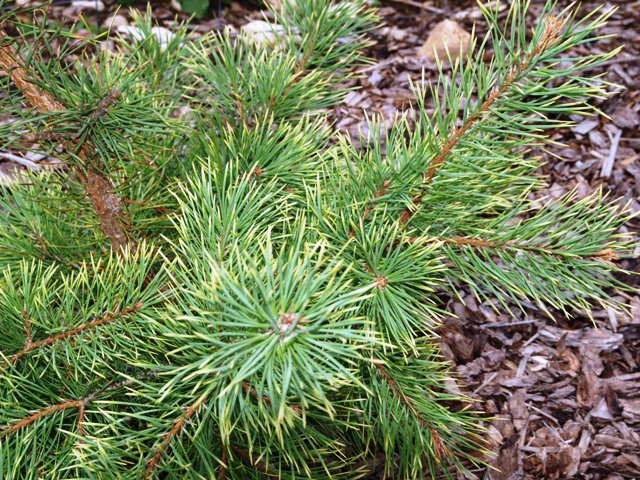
(565, 394)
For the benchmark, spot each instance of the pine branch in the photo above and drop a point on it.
(440, 449)
(30, 345)
(605, 255)
(399, 394)
(107, 205)
(80, 404)
(288, 258)
(551, 35)
(257, 464)
(168, 437)
(249, 389)
(25, 422)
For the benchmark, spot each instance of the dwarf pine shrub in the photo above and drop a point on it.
(213, 284)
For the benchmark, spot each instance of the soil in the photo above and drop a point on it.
(564, 393)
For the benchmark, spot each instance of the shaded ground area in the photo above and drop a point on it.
(565, 393)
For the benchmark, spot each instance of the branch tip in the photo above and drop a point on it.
(551, 35)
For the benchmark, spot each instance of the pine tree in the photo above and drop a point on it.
(214, 284)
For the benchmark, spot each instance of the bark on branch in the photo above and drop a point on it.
(25, 422)
(606, 255)
(175, 431)
(80, 404)
(439, 448)
(107, 205)
(551, 35)
(30, 345)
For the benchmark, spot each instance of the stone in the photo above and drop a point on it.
(449, 36)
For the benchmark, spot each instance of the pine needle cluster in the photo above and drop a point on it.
(213, 284)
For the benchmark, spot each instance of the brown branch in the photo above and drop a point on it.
(483, 243)
(11, 61)
(222, 471)
(380, 192)
(440, 448)
(81, 410)
(607, 255)
(25, 422)
(305, 57)
(27, 328)
(474, 242)
(97, 322)
(251, 390)
(550, 37)
(400, 395)
(178, 425)
(101, 109)
(261, 466)
(106, 204)
(80, 404)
